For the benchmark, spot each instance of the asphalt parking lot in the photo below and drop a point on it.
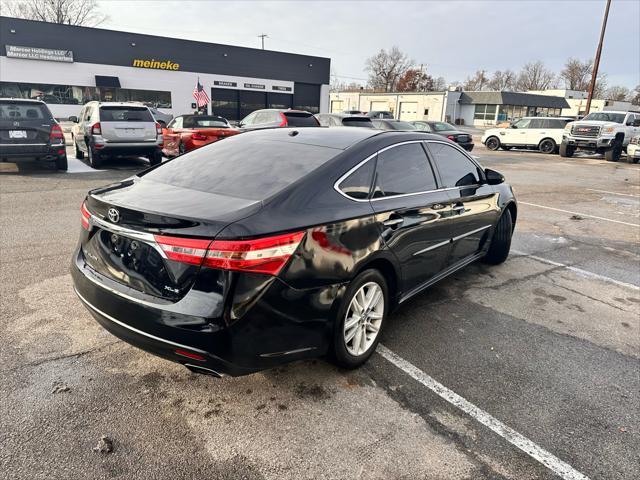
(540, 357)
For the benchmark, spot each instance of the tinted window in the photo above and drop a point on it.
(402, 126)
(23, 111)
(536, 123)
(295, 119)
(358, 184)
(125, 114)
(443, 127)
(524, 123)
(205, 122)
(403, 169)
(244, 166)
(456, 170)
(357, 122)
(422, 126)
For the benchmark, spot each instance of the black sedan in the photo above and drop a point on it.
(28, 132)
(465, 140)
(391, 124)
(283, 244)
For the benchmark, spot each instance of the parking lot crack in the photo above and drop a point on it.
(63, 357)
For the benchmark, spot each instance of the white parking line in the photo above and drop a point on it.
(581, 214)
(579, 271)
(550, 461)
(615, 193)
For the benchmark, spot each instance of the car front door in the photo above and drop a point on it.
(413, 214)
(474, 202)
(516, 134)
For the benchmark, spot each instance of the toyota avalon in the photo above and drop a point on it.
(283, 244)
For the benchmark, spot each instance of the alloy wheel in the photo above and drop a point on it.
(363, 318)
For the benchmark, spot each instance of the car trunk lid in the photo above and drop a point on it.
(23, 123)
(127, 124)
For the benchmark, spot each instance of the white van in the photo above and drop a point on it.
(541, 133)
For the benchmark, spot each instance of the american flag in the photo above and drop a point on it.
(200, 95)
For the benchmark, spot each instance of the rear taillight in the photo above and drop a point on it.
(56, 135)
(198, 136)
(158, 129)
(263, 255)
(84, 216)
(283, 118)
(451, 137)
(96, 129)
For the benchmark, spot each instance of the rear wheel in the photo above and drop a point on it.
(95, 159)
(566, 150)
(548, 145)
(155, 158)
(79, 153)
(360, 319)
(61, 162)
(501, 241)
(492, 143)
(614, 153)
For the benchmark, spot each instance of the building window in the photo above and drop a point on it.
(77, 95)
(306, 97)
(485, 112)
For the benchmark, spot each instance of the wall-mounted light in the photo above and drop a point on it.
(13, 30)
(310, 65)
(225, 54)
(133, 44)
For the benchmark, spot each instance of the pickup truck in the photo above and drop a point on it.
(607, 132)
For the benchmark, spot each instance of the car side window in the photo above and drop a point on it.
(263, 117)
(178, 122)
(403, 169)
(249, 119)
(456, 170)
(358, 184)
(536, 123)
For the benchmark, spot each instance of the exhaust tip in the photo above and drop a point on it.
(202, 370)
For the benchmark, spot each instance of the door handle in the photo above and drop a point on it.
(393, 222)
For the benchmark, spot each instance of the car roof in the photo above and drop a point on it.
(338, 138)
(121, 104)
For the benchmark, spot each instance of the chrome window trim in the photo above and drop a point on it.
(451, 240)
(133, 329)
(460, 237)
(336, 185)
(432, 247)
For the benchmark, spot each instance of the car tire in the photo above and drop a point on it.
(346, 353)
(492, 143)
(547, 146)
(501, 241)
(62, 163)
(566, 150)
(155, 158)
(614, 153)
(79, 153)
(95, 159)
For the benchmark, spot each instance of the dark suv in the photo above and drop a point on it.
(273, 118)
(28, 132)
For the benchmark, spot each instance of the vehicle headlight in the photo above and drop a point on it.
(608, 129)
(567, 127)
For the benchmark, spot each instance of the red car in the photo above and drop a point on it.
(188, 132)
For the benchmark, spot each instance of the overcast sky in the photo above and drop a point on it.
(452, 38)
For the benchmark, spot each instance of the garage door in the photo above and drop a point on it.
(336, 106)
(409, 111)
(379, 107)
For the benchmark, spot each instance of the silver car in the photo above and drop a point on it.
(109, 129)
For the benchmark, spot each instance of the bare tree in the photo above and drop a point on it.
(415, 80)
(386, 67)
(477, 82)
(69, 12)
(600, 88)
(577, 74)
(535, 76)
(635, 95)
(618, 93)
(502, 80)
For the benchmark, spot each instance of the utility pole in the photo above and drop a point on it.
(596, 63)
(262, 37)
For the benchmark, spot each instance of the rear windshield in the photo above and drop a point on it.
(301, 119)
(23, 111)
(357, 122)
(605, 117)
(443, 127)
(125, 114)
(402, 126)
(243, 166)
(204, 122)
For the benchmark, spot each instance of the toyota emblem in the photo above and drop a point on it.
(114, 215)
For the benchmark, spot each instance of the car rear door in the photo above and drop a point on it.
(413, 214)
(474, 203)
(120, 124)
(536, 131)
(24, 125)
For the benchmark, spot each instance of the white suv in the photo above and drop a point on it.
(633, 150)
(541, 133)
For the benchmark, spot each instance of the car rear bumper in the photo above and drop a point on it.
(17, 152)
(467, 146)
(133, 148)
(249, 330)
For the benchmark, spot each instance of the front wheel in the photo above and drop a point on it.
(614, 153)
(360, 319)
(501, 241)
(566, 150)
(548, 145)
(492, 143)
(155, 158)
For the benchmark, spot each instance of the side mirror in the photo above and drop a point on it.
(493, 177)
(513, 126)
(73, 119)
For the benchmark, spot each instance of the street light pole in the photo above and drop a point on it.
(596, 63)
